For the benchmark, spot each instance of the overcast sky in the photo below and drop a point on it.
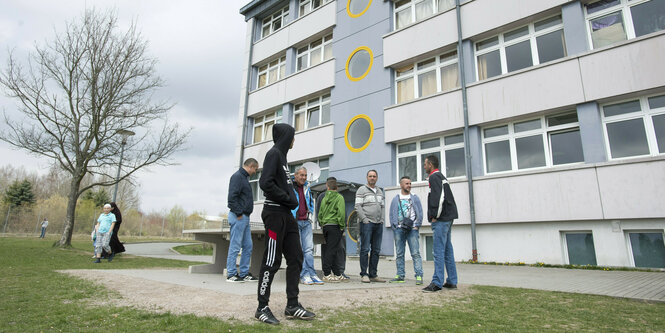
(199, 45)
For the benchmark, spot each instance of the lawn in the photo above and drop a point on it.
(35, 298)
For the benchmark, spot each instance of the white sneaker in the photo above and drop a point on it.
(330, 278)
(307, 280)
(316, 280)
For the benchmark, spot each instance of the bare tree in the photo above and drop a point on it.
(78, 91)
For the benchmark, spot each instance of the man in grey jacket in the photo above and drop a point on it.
(370, 201)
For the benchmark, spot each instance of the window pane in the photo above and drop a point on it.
(301, 62)
(518, 56)
(453, 139)
(648, 17)
(359, 63)
(406, 148)
(255, 194)
(487, 43)
(448, 56)
(327, 51)
(446, 4)
(530, 152)
(550, 22)
(580, 249)
(600, 5)
(422, 159)
(404, 70)
(449, 77)
(262, 80)
(617, 109)
(455, 166)
(324, 163)
(257, 133)
(282, 71)
(403, 18)
(407, 167)
(607, 30)
(325, 173)
(496, 131)
(427, 84)
(659, 128)
(497, 156)
(430, 143)
(508, 36)
(424, 9)
(313, 117)
(489, 65)
(562, 119)
(627, 138)
(427, 63)
(272, 75)
(657, 102)
(648, 249)
(404, 90)
(551, 46)
(315, 57)
(300, 121)
(566, 147)
(265, 31)
(268, 131)
(359, 133)
(527, 125)
(325, 113)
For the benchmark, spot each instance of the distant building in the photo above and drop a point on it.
(566, 114)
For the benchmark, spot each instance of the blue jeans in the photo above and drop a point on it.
(370, 237)
(443, 253)
(241, 238)
(307, 243)
(401, 237)
(43, 232)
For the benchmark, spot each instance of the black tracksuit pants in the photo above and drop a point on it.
(333, 236)
(282, 237)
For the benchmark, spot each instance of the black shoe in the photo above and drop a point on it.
(449, 286)
(234, 278)
(249, 278)
(293, 312)
(431, 288)
(111, 256)
(97, 260)
(266, 316)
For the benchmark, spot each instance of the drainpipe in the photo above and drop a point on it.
(247, 87)
(467, 150)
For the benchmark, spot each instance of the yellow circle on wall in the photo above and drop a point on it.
(359, 132)
(360, 62)
(348, 10)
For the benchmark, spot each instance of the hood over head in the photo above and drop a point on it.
(282, 136)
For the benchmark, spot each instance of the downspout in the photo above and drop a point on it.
(467, 150)
(247, 87)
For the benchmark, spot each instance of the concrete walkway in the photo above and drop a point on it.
(635, 285)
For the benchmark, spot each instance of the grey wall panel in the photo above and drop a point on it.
(574, 28)
(343, 48)
(476, 150)
(378, 12)
(376, 153)
(591, 132)
(309, 144)
(370, 105)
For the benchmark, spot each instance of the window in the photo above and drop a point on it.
(254, 184)
(427, 77)
(274, 22)
(324, 166)
(271, 72)
(524, 47)
(410, 11)
(535, 143)
(307, 6)
(263, 126)
(314, 53)
(611, 21)
(580, 248)
(635, 127)
(449, 149)
(312, 113)
(648, 248)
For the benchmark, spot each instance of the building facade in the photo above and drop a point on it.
(556, 110)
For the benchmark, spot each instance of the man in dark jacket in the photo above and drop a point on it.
(441, 211)
(282, 234)
(241, 205)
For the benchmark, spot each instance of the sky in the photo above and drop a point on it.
(199, 45)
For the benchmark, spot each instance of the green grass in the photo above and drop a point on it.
(195, 249)
(35, 298)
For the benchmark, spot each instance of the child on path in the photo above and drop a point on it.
(103, 231)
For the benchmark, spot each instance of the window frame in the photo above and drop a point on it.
(532, 37)
(276, 118)
(420, 152)
(412, 8)
(564, 241)
(309, 4)
(322, 100)
(624, 7)
(281, 14)
(317, 161)
(416, 72)
(280, 67)
(629, 245)
(646, 114)
(326, 42)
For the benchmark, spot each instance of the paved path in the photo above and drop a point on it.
(636, 285)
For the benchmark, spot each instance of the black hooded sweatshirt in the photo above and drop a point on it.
(275, 179)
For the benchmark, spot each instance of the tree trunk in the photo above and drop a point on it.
(66, 239)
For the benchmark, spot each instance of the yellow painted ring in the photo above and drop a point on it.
(371, 62)
(346, 133)
(348, 11)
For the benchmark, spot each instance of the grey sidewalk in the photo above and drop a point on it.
(635, 285)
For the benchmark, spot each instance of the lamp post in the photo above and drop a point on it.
(125, 134)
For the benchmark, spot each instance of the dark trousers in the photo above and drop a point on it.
(370, 237)
(330, 262)
(114, 243)
(340, 257)
(282, 237)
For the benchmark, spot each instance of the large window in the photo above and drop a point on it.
(449, 149)
(530, 45)
(312, 113)
(648, 248)
(410, 11)
(314, 53)
(427, 77)
(324, 166)
(307, 6)
(263, 126)
(611, 21)
(271, 72)
(274, 22)
(580, 249)
(535, 143)
(635, 127)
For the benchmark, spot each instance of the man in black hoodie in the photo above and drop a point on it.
(282, 234)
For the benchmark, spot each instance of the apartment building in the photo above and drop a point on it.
(548, 116)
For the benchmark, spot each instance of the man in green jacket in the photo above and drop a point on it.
(331, 218)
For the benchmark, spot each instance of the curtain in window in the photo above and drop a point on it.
(607, 30)
(403, 18)
(424, 9)
(427, 84)
(405, 90)
(449, 77)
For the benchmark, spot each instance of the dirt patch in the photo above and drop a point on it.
(163, 297)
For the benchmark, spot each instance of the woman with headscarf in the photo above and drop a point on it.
(115, 244)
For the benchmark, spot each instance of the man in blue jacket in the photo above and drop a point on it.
(301, 214)
(241, 205)
(406, 216)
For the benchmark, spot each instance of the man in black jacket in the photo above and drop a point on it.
(241, 205)
(441, 211)
(282, 234)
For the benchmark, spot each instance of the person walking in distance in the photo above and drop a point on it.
(302, 215)
(406, 216)
(331, 218)
(44, 225)
(241, 205)
(441, 211)
(282, 234)
(370, 201)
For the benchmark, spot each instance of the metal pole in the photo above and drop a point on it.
(4, 229)
(162, 226)
(467, 151)
(117, 175)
